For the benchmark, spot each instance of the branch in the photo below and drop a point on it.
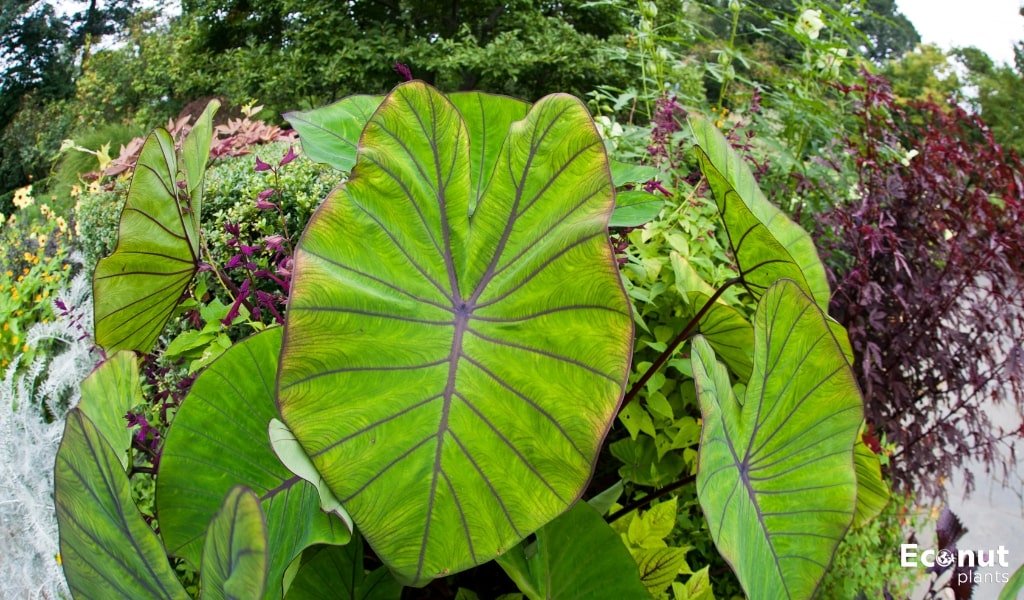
(675, 343)
(634, 505)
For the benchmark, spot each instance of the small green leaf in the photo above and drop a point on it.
(576, 556)
(776, 477)
(659, 567)
(337, 573)
(634, 208)
(697, 587)
(604, 501)
(235, 551)
(107, 549)
(188, 341)
(624, 173)
(107, 396)
(330, 134)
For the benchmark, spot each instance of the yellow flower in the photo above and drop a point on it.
(94, 187)
(44, 209)
(15, 340)
(27, 257)
(76, 190)
(7, 326)
(25, 348)
(62, 225)
(23, 197)
(42, 240)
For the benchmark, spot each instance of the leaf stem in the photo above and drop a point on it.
(642, 502)
(676, 342)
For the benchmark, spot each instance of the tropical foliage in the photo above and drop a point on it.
(484, 347)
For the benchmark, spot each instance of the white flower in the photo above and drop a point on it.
(809, 23)
(830, 60)
(905, 161)
(608, 128)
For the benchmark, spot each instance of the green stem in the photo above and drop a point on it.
(732, 47)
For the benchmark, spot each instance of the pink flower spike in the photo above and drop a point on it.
(403, 71)
(262, 166)
(274, 242)
(288, 157)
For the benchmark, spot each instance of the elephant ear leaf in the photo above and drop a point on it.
(490, 352)
(768, 246)
(138, 286)
(107, 549)
(330, 134)
(235, 551)
(488, 118)
(872, 490)
(337, 573)
(219, 440)
(775, 476)
(108, 393)
(564, 561)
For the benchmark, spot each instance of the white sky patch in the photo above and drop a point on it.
(991, 25)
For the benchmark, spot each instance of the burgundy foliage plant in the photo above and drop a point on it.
(927, 262)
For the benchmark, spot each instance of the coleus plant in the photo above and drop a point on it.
(456, 346)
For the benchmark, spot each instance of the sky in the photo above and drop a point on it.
(991, 25)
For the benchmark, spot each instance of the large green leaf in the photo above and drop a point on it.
(235, 551)
(872, 490)
(330, 134)
(768, 246)
(137, 287)
(108, 393)
(775, 475)
(107, 549)
(575, 556)
(488, 118)
(337, 573)
(219, 440)
(489, 352)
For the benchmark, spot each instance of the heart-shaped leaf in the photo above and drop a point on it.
(235, 551)
(768, 246)
(490, 352)
(624, 173)
(337, 573)
(137, 287)
(219, 440)
(634, 208)
(575, 556)
(108, 393)
(775, 475)
(107, 549)
(329, 134)
(872, 490)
